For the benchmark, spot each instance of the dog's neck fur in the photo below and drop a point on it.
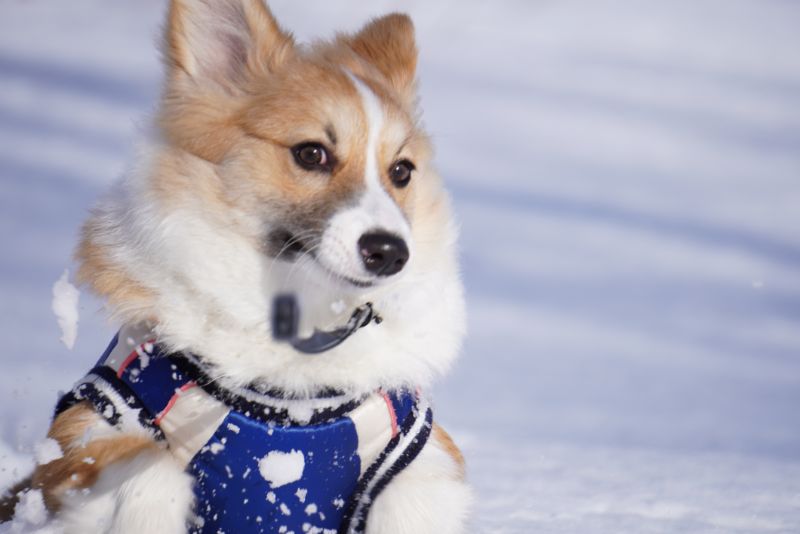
(180, 265)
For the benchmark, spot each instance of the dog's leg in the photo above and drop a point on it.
(108, 481)
(149, 493)
(429, 496)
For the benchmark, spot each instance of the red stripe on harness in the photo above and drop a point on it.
(392, 413)
(187, 386)
(132, 356)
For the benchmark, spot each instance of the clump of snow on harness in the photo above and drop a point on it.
(281, 468)
(65, 307)
(301, 411)
(47, 451)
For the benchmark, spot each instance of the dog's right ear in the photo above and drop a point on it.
(388, 43)
(217, 44)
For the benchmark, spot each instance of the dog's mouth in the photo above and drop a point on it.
(285, 245)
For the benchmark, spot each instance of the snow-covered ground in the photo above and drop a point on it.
(627, 175)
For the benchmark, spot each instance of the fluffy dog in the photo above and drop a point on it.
(276, 168)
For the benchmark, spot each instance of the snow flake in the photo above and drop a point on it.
(65, 307)
(144, 358)
(29, 512)
(47, 451)
(301, 411)
(338, 306)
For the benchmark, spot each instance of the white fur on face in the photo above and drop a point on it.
(374, 211)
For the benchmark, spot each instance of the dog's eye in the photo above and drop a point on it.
(400, 173)
(312, 157)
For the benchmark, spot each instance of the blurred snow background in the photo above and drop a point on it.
(627, 176)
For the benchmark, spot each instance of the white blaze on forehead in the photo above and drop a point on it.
(374, 114)
(374, 211)
(376, 200)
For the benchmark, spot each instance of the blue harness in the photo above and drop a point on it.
(258, 465)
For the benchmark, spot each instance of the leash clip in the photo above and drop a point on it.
(286, 319)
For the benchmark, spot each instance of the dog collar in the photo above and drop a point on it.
(286, 318)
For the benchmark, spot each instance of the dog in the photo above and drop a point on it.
(274, 169)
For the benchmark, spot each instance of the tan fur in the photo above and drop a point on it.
(124, 295)
(82, 463)
(447, 444)
(271, 43)
(198, 102)
(388, 44)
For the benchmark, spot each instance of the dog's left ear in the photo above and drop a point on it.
(388, 44)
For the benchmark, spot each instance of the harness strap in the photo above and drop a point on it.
(396, 456)
(137, 387)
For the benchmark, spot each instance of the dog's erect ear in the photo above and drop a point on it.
(217, 42)
(388, 44)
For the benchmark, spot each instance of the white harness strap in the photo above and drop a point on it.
(376, 425)
(189, 420)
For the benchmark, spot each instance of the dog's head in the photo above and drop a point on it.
(318, 149)
(283, 168)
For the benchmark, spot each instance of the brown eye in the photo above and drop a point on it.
(400, 173)
(312, 157)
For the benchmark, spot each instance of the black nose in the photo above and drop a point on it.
(382, 253)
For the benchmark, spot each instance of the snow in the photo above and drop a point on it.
(300, 411)
(280, 468)
(65, 306)
(30, 516)
(626, 178)
(14, 466)
(216, 447)
(47, 451)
